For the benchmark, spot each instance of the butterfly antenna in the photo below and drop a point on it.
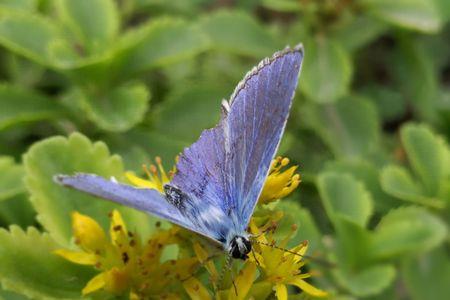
(315, 259)
(254, 256)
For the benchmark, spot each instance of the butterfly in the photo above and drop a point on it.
(219, 178)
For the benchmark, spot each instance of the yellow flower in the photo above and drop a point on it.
(280, 267)
(125, 264)
(157, 176)
(279, 182)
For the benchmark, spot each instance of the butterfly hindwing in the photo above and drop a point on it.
(148, 200)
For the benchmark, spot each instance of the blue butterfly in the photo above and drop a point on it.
(220, 177)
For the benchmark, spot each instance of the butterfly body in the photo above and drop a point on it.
(220, 177)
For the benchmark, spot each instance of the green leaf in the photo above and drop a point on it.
(96, 22)
(11, 176)
(27, 5)
(29, 35)
(238, 33)
(17, 210)
(28, 266)
(358, 32)
(282, 5)
(159, 43)
(20, 105)
(349, 127)
(118, 109)
(342, 195)
(390, 103)
(367, 173)
(140, 146)
(353, 244)
(397, 182)
(54, 203)
(416, 74)
(370, 281)
(326, 71)
(196, 105)
(7, 295)
(407, 230)
(429, 156)
(420, 15)
(427, 276)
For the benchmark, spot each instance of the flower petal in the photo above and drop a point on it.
(139, 182)
(88, 234)
(202, 256)
(281, 292)
(195, 289)
(94, 284)
(243, 282)
(307, 288)
(118, 229)
(77, 257)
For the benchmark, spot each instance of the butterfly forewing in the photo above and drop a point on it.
(226, 168)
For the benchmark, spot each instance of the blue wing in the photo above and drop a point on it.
(226, 168)
(148, 200)
(219, 178)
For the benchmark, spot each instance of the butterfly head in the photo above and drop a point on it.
(239, 247)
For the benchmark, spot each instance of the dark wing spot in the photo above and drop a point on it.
(175, 196)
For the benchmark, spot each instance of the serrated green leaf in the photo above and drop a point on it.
(407, 230)
(342, 195)
(96, 22)
(158, 43)
(28, 266)
(427, 276)
(54, 203)
(196, 105)
(349, 127)
(118, 109)
(20, 106)
(11, 176)
(238, 33)
(420, 15)
(368, 282)
(397, 182)
(29, 35)
(326, 71)
(428, 155)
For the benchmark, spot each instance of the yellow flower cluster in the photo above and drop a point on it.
(125, 264)
(128, 266)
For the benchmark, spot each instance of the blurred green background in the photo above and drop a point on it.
(369, 127)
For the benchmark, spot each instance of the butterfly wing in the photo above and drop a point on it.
(148, 200)
(226, 168)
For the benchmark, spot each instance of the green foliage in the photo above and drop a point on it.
(59, 155)
(369, 128)
(29, 267)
